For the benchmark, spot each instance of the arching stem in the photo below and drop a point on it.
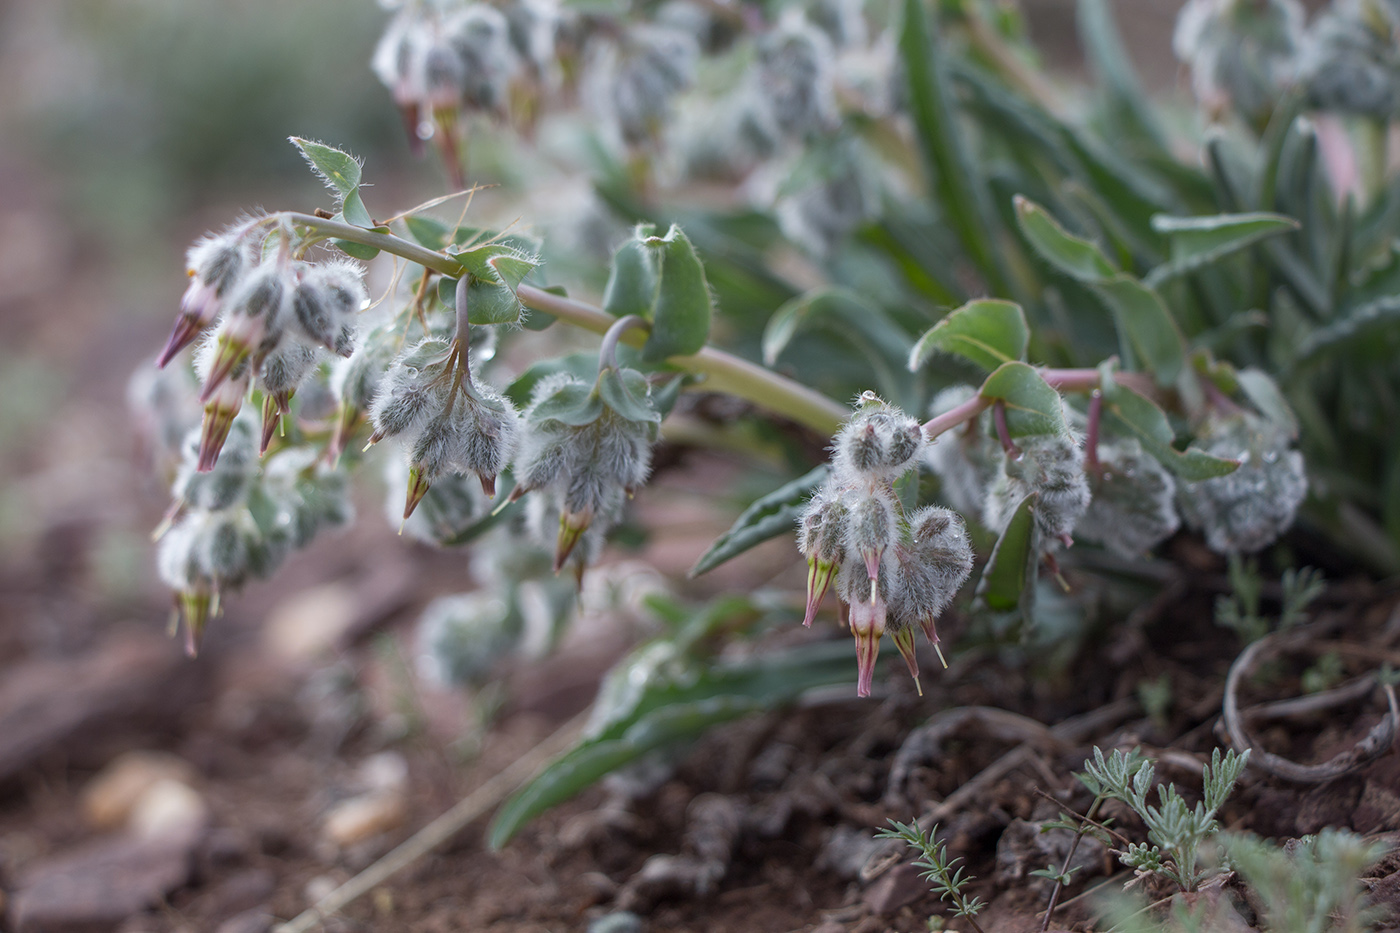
(607, 352)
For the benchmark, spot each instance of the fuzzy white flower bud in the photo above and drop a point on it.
(1245, 511)
(1132, 509)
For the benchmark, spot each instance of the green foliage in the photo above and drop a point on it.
(1175, 831)
(666, 692)
(661, 279)
(1312, 886)
(764, 519)
(947, 878)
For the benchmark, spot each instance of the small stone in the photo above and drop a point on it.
(307, 625)
(319, 888)
(108, 799)
(622, 921)
(169, 807)
(894, 889)
(257, 920)
(386, 771)
(363, 817)
(99, 885)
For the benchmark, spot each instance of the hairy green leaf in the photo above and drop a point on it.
(767, 517)
(1011, 570)
(680, 319)
(989, 332)
(1200, 241)
(1072, 255)
(1138, 416)
(1141, 316)
(1032, 406)
(339, 170)
(633, 280)
(656, 697)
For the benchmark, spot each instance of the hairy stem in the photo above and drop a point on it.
(723, 371)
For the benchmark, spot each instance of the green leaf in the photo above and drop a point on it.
(1370, 320)
(1128, 106)
(428, 231)
(583, 365)
(1138, 416)
(354, 211)
(1200, 241)
(625, 392)
(1032, 406)
(988, 331)
(765, 518)
(856, 324)
(1140, 315)
(575, 405)
(633, 280)
(680, 319)
(1265, 395)
(953, 173)
(496, 270)
(339, 170)
(657, 697)
(1011, 571)
(1072, 255)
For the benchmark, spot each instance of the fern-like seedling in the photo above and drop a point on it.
(944, 874)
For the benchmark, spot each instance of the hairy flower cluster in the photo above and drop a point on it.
(585, 457)
(1132, 509)
(439, 59)
(234, 522)
(273, 319)
(892, 572)
(1246, 53)
(1352, 63)
(1245, 511)
(462, 637)
(1242, 52)
(632, 81)
(447, 420)
(1052, 467)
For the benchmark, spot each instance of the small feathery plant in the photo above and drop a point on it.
(1176, 832)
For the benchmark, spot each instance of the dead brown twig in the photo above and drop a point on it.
(1375, 743)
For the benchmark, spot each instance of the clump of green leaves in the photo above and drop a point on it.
(1241, 610)
(1175, 831)
(1309, 885)
(947, 878)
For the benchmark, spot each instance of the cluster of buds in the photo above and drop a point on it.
(1052, 467)
(233, 522)
(1352, 61)
(1245, 511)
(273, 318)
(441, 59)
(632, 81)
(1132, 509)
(447, 419)
(1245, 53)
(1242, 53)
(587, 450)
(892, 571)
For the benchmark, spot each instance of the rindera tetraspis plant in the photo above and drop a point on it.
(1170, 341)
